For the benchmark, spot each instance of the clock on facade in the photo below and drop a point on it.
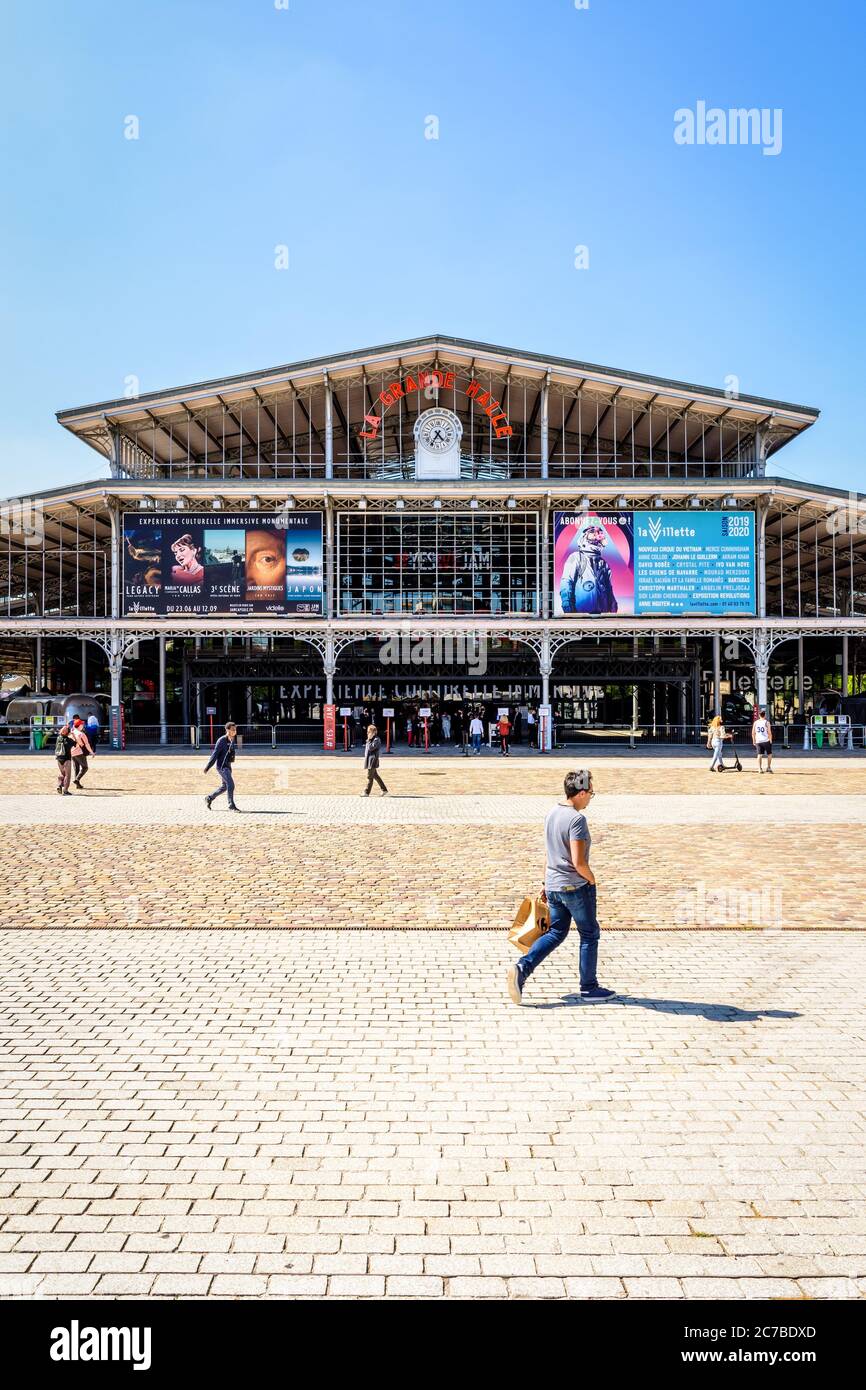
(437, 443)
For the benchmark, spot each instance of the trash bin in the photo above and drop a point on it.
(38, 739)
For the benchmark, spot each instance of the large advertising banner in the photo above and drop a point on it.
(664, 562)
(694, 562)
(593, 562)
(200, 564)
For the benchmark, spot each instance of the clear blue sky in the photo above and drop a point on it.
(261, 126)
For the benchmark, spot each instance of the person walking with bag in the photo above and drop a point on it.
(63, 753)
(372, 749)
(222, 758)
(570, 891)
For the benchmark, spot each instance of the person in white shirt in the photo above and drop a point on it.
(476, 733)
(762, 738)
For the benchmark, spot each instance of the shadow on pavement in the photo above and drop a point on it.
(716, 1013)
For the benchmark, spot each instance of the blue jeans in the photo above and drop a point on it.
(567, 905)
(476, 742)
(227, 786)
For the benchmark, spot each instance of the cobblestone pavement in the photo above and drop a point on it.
(827, 773)
(433, 809)
(350, 1115)
(363, 1113)
(455, 846)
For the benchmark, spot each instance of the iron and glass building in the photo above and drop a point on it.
(433, 522)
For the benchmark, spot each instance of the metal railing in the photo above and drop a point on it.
(832, 732)
(201, 735)
(815, 736)
(571, 733)
(148, 735)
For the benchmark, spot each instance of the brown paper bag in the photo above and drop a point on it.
(531, 921)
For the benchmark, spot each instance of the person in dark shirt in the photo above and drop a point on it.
(222, 758)
(63, 753)
(372, 749)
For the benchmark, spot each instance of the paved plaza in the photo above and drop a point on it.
(224, 1072)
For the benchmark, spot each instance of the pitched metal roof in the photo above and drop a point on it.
(80, 415)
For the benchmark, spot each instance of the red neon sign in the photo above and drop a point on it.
(445, 381)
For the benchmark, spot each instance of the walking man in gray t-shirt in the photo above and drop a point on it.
(569, 886)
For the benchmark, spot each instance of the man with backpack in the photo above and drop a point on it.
(222, 758)
(63, 753)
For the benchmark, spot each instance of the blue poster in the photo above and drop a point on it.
(694, 562)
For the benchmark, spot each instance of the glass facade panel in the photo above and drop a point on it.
(430, 563)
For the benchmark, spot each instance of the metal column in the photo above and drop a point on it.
(717, 674)
(330, 605)
(545, 557)
(330, 666)
(545, 722)
(762, 667)
(545, 426)
(39, 662)
(115, 558)
(762, 560)
(163, 732)
(115, 668)
(801, 678)
(329, 429)
(185, 694)
(84, 663)
(196, 641)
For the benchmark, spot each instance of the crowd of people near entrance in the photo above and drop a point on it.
(467, 727)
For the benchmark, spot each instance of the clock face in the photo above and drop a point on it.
(438, 430)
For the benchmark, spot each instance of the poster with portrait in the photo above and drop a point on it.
(593, 563)
(663, 562)
(201, 564)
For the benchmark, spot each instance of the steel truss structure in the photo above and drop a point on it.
(336, 435)
(61, 553)
(351, 416)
